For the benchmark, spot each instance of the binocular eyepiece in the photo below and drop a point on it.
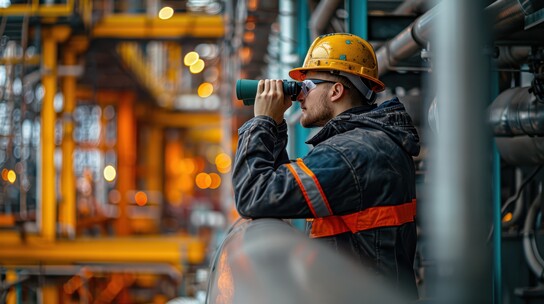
(246, 90)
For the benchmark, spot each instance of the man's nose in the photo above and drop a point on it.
(300, 97)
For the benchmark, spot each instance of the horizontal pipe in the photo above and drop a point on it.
(507, 15)
(268, 261)
(515, 112)
(512, 56)
(322, 16)
(174, 251)
(521, 150)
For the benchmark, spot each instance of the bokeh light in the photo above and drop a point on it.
(203, 180)
(191, 58)
(216, 181)
(197, 67)
(109, 173)
(12, 176)
(205, 89)
(140, 198)
(166, 13)
(223, 162)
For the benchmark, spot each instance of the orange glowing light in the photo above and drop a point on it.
(507, 217)
(5, 174)
(205, 89)
(245, 54)
(188, 165)
(249, 37)
(140, 198)
(203, 180)
(223, 162)
(216, 181)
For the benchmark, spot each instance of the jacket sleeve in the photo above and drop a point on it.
(263, 186)
(321, 184)
(280, 146)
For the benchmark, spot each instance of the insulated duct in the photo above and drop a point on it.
(517, 112)
(521, 150)
(508, 17)
(512, 56)
(269, 261)
(322, 16)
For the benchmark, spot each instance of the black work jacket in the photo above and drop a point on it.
(361, 159)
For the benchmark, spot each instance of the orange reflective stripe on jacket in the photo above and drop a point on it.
(374, 217)
(311, 189)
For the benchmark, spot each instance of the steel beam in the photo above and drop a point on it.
(130, 26)
(174, 250)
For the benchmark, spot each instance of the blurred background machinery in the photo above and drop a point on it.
(118, 125)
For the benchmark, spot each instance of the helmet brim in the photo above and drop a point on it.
(299, 74)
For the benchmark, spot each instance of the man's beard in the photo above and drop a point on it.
(318, 116)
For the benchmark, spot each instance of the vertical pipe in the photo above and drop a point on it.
(287, 51)
(497, 243)
(67, 214)
(49, 81)
(460, 210)
(12, 296)
(49, 293)
(358, 17)
(497, 218)
(154, 159)
(127, 158)
(303, 42)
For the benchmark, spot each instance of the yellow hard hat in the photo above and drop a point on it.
(341, 52)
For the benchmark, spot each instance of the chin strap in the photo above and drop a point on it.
(361, 86)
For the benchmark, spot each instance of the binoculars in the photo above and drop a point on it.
(246, 89)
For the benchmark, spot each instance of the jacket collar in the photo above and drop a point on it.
(390, 117)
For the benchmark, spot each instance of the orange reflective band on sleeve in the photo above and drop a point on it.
(374, 217)
(311, 189)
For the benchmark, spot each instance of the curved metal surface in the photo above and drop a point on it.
(269, 261)
(507, 15)
(521, 150)
(516, 112)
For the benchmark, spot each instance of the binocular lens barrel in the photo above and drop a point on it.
(246, 89)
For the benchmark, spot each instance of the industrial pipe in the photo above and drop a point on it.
(269, 261)
(521, 150)
(516, 112)
(507, 15)
(530, 249)
(322, 16)
(512, 56)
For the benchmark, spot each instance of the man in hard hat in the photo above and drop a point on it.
(356, 186)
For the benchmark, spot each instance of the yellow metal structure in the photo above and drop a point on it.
(172, 250)
(67, 210)
(52, 36)
(34, 8)
(58, 242)
(130, 26)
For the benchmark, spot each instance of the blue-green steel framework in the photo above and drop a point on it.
(497, 218)
(357, 17)
(303, 42)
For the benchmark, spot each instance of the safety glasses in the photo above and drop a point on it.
(310, 84)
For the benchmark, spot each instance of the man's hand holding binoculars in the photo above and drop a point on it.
(270, 100)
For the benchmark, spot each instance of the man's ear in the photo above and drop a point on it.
(336, 91)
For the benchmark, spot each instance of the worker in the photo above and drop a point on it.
(356, 187)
